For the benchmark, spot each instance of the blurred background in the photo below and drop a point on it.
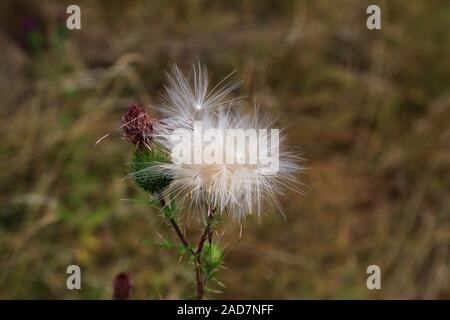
(370, 111)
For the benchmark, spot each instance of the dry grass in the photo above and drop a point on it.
(370, 110)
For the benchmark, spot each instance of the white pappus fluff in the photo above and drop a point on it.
(238, 189)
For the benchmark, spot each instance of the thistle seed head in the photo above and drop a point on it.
(237, 188)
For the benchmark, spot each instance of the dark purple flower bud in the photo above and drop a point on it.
(137, 126)
(121, 287)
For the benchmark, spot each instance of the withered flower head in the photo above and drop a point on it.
(137, 126)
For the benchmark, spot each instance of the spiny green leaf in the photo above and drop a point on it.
(212, 258)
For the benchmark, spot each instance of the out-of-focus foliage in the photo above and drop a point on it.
(370, 111)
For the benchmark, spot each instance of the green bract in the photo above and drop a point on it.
(152, 181)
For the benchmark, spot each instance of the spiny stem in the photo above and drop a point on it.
(207, 233)
(196, 256)
(180, 234)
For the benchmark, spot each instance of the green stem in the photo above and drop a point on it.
(207, 235)
(195, 255)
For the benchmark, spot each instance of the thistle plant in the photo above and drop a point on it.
(205, 155)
